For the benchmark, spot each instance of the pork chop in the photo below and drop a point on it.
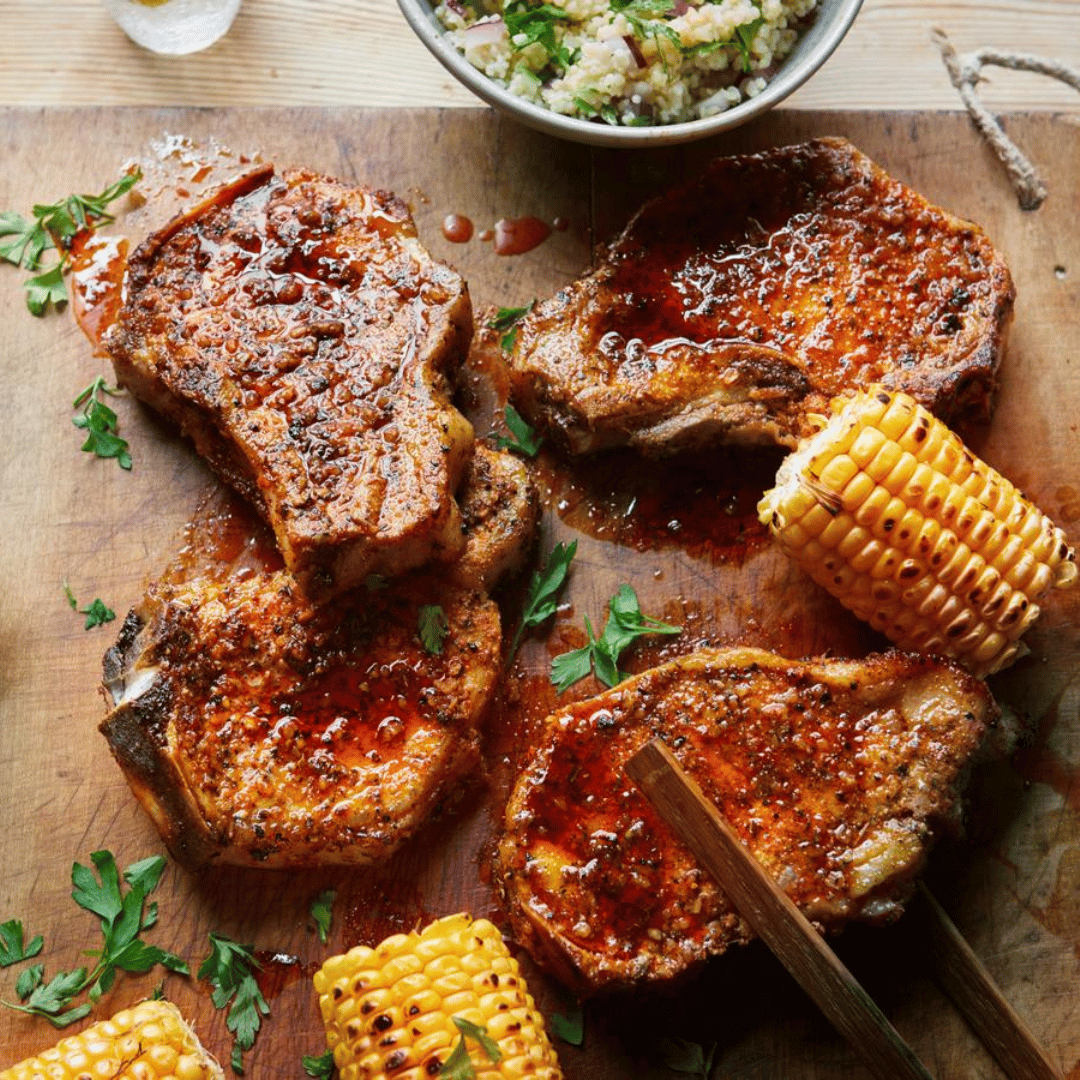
(302, 337)
(261, 728)
(500, 510)
(733, 306)
(833, 772)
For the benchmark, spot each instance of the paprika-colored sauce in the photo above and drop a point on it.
(515, 236)
(457, 228)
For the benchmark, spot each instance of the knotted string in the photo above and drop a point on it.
(964, 71)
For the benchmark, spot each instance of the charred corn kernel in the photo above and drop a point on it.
(149, 1041)
(389, 1011)
(887, 509)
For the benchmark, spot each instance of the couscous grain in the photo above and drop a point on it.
(629, 62)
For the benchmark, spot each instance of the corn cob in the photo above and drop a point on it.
(389, 1011)
(888, 510)
(146, 1042)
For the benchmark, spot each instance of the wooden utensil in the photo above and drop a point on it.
(974, 992)
(802, 950)
(773, 916)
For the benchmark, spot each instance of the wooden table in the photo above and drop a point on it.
(361, 52)
(1014, 887)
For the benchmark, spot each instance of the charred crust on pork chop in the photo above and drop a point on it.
(296, 330)
(260, 730)
(835, 773)
(500, 512)
(733, 307)
(260, 727)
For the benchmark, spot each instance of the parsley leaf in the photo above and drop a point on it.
(522, 438)
(433, 627)
(229, 969)
(567, 668)
(29, 980)
(544, 589)
(321, 909)
(53, 227)
(46, 288)
(744, 38)
(123, 917)
(536, 25)
(51, 999)
(96, 612)
(28, 241)
(625, 624)
(321, 1066)
(100, 423)
(570, 1028)
(684, 1056)
(507, 318)
(646, 19)
(605, 112)
(12, 950)
(458, 1066)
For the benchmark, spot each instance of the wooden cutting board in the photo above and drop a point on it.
(1013, 884)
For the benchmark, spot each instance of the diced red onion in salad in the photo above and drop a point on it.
(489, 31)
(635, 50)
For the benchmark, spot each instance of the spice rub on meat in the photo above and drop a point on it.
(260, 727)
(833, 772)
(733, 306)
(302, 337)
(259, 730)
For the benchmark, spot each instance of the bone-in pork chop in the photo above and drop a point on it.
(833, 772)
(262, 728)
(500, 510)
(299, 333)
(732, 307)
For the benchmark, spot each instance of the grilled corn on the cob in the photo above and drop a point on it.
(389, 1011)
(149, 1041)
(888, 510)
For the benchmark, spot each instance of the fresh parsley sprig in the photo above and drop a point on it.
(432, 626)
(506, 319)
(321, 910)
(230, 969)
(685, 1056)
(459, 1066)
(320, 1066)
(99, 422)
(625, 624)
(51, 227)
(97, 612)
(544, 589)
(569, 1026)
(646, 18)
(124, 916)
(529, 24)
(12, 949)
(522, 438)
(744, 38)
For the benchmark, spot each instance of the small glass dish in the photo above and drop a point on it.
(174, 27)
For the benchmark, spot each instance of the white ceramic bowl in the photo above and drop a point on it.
(812, 50)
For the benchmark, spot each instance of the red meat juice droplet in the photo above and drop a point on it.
(515, 236)
(457, 228)
(561, 224)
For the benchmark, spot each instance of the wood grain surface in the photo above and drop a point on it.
(1012, 885)
(362, 52)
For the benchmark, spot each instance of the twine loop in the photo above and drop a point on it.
(965, 73)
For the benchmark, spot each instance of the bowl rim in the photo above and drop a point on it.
(823, 38)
